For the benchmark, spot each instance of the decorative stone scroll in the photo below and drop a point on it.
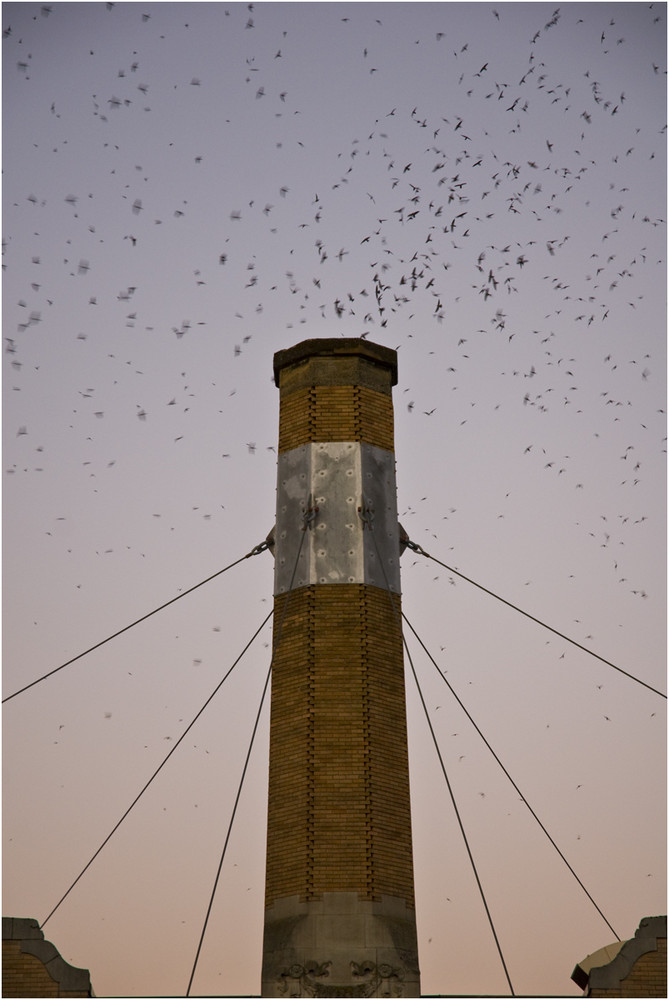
(369, 980)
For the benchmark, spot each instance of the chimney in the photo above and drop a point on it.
(339, 895)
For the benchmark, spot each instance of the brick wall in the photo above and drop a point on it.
(339, 814)
(33, 967)
(24, 975)
(648, 977)
(640, 967)
(336, 413)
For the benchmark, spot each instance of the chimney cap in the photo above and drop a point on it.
(336, 347)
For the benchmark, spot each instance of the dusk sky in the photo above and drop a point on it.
(190, 187)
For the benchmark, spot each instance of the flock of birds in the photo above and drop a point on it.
(477, 186)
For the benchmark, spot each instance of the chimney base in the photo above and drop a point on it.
(340, 946)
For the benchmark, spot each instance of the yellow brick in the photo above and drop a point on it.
(351, 723)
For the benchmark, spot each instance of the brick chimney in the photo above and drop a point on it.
(339, 895)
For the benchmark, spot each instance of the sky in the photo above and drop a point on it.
(190, 187)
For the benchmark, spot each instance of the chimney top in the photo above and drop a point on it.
(337, 347)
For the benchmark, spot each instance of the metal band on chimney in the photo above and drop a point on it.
(343, 479)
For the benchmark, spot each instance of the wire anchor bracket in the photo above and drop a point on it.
(309, 514)
(366, 512)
